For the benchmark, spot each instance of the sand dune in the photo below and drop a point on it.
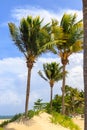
(41, 122)
(80, 122)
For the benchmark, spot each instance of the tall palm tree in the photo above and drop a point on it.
(72, 43)
(85, 57)
(29, 37)
(67, 37)
(52, 74)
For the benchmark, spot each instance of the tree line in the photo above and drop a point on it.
(74, 102)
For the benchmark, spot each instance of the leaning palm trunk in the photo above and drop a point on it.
(27, 91)
(63, 90)
(85, 58)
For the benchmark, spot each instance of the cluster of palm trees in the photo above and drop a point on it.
(74, 101)
(33, 38)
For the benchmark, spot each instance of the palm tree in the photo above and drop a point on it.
(72, 43)
(29, 37)
(74, 100)
(85, 57)
(67, 37)
(53, 73)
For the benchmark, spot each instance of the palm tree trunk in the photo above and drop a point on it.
(85, 58)
(27, 91)
(51, 95)
(63, 90)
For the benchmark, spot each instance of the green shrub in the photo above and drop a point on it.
(17, 116)
(4, 123)
(31, 113)
(64, 121)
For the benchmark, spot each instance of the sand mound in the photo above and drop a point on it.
(40, 122)
(80, 122)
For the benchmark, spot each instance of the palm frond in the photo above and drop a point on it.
(16, 37)
(40, 73)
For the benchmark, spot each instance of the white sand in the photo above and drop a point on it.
(41, 122)
(79, 122)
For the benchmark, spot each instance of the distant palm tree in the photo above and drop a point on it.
(52, 74)
(85, 58)
(74, 99)
(67, 37)
(29, 37)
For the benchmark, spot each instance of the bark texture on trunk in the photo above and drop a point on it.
(51, 95)
(85, 58)
(27, 92)
(63, 90)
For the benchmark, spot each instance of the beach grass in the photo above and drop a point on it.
(64, 121)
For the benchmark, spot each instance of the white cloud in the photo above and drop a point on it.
(13, 76)
(19, 13)
(75, 69)
(9, 97)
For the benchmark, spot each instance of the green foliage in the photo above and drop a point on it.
(17, 116)
(64, 121)
(47, 108)
(38, 105)
(30, 35)
(52, 71)
(74, 100)
(67, 37)
(31, 113)
(4, 123)
(1, 128)
(57, 103)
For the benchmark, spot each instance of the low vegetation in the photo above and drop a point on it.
(56, 118)
(64, 121)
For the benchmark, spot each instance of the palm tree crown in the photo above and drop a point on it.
(72, 33)
(30, 36)
(52, 72)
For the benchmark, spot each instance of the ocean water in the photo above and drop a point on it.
(6, 117)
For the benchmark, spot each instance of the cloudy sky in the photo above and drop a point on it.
(13, 70)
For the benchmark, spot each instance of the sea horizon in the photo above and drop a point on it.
(6, 116)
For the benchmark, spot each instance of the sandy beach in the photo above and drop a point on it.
(40, 122)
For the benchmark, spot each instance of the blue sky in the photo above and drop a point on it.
(13, 71)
